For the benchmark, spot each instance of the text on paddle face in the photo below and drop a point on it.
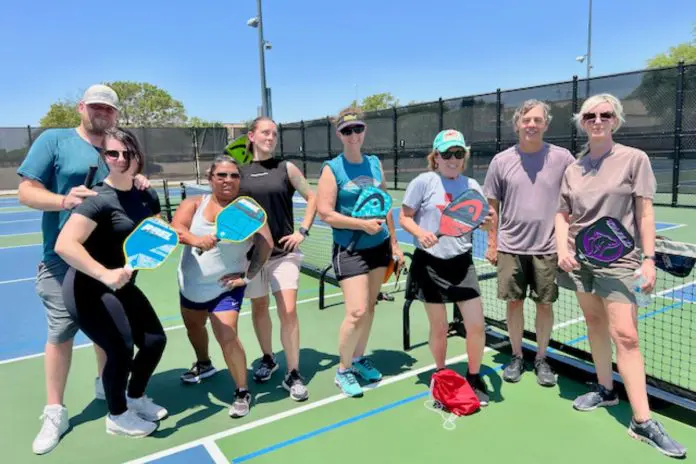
(149, 228)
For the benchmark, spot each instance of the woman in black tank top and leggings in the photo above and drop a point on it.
(101, 294)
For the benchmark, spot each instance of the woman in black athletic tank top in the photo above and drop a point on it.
(100, 293)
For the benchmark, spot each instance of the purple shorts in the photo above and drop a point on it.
(228, 301)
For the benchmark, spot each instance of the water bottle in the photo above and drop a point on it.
(642, 299)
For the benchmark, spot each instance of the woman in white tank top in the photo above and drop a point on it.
(212, 284)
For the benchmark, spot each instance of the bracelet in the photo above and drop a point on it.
(62, 202)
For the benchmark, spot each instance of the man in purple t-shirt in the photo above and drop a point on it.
(523, 185)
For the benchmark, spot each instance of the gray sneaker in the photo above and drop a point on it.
(513, 371)
(241, 405)
(267, 367)
(652, 433)
(596, 398)
(199, 371)
(294, 383)
(546, 377)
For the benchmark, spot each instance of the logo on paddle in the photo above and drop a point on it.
(151, 229)
(602, 247)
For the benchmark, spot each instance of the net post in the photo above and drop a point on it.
(302, 148)
(167, 201)
(280, 138)
(396, 148)
(679, 105)
(441, 114)
(183, 191)
(498, 116)
(328, 137)
(573, 128)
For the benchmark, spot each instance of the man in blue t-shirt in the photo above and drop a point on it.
(52, 178)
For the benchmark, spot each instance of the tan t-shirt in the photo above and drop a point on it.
(608, 187)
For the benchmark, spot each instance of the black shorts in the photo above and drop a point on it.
(347, 264)
(435, 280)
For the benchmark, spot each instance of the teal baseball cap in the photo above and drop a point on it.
(447, 139)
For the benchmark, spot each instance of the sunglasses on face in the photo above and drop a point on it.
(225, 175)
(605, 116)
(459, 154)
(127, 154)
(354, 129)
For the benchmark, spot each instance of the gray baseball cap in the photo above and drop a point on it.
(101, 94)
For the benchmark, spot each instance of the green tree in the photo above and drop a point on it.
(198, 122)
(378, 101)
(657, 90)
(61, 114)
(142, 105)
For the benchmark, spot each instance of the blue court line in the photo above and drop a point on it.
(389, 406)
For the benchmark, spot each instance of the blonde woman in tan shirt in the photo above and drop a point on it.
(610, 179)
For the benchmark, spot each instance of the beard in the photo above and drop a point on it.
(98, 124)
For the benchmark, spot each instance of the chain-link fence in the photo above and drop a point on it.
(659, 106)
(172, 153)
(660, 109)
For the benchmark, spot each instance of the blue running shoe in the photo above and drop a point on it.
(348, 383)
(366, 369)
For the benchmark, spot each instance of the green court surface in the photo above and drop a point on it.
(524, 423)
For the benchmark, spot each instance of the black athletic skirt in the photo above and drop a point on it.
(435, 280)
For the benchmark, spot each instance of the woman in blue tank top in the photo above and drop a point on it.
(212, 284)
(361, 271)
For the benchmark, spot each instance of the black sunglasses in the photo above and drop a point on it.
(225, 175)
(605, 116)
(353, 129)
(127, 154)
(459, 154)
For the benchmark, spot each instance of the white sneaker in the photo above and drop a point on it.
(129, 424)
(55, 424)
(146, 408)
(99, 389)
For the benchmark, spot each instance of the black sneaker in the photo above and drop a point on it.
(241, 405)
(652, 433)
(596, 398)
(294, 383)
(199, 371)
(479, 387)
(546, 377)
(267, 367)
(514, 370)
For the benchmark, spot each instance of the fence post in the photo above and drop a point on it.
(196, 154)
(302, 149)
(499, 111)
(396, 149)
(280, 137)
(328, 137)
(677, 132)
(574, 109)
(441, 118)
(29, 140)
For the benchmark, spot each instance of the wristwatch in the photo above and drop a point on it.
(245, 279)
(304, 232)
(648, 257)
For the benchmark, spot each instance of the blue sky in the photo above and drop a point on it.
(323, 53)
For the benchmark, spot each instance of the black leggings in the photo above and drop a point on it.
(115, 321)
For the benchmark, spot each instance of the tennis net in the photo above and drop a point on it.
(666, 327)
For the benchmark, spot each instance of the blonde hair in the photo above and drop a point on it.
(432, 162)
(349, 110)
(526, 107)
(598, 100)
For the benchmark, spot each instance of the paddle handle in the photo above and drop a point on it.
(199, 251)
(90, 176)
(353, 241)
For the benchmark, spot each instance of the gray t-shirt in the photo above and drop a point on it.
(429, 194)
(608, 187)
(527, 185)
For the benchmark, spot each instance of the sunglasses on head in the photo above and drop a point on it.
(225, 175)
(459, 154)
(605, 116)
(113, 154)
(353, 129)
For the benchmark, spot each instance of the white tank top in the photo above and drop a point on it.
(198, 275)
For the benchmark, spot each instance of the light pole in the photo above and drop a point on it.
(257, 22)
(588, 55)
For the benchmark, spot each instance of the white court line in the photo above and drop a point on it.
(215, 453)
(26, 279)
(295, 411)
(675, 226)
(20, 246)
(292, 412)
(181, 326)
(20, 220)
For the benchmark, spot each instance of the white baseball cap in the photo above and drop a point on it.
(101, 94)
